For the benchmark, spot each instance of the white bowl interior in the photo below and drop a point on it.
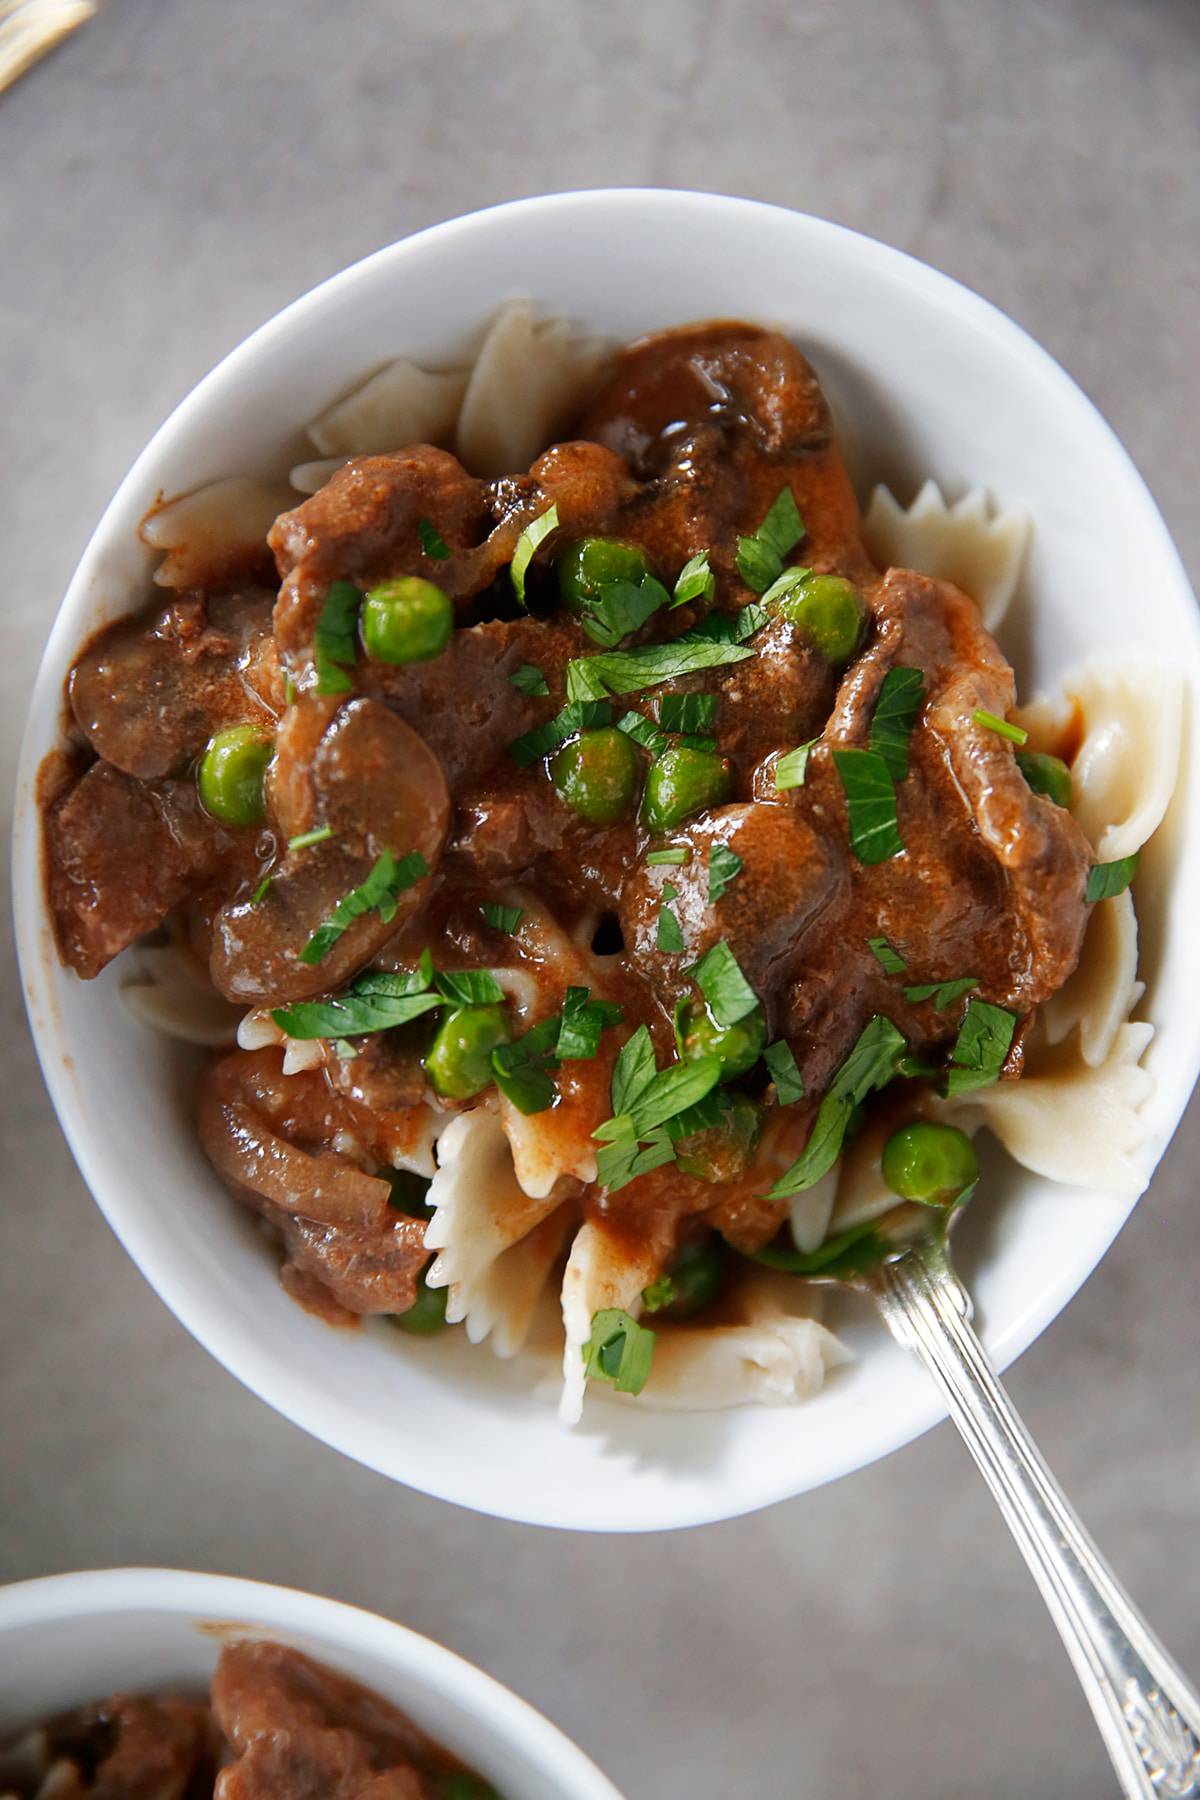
(925, 379)
(70, 1639)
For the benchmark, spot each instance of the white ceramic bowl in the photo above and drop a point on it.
(69, 1639)
(925, 379)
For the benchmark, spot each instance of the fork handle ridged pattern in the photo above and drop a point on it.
(1148, 1714)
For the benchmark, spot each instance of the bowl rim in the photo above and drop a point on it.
(249, 1362)
(199, 1598)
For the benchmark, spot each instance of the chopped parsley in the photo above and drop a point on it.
(376, 1001)
(658, 858)
(990, 722)
(669, 936)
(718, 640)
(320, 834)
(379, 893)
(884, 954)
(687, 712)
(576, 716)
(335, 641)
(695, 581)
(469, 987)
(724, 867)
(870, 1065)
(582, 1021)
(528, 679)
(719, 977)
(870, 805)
(789, 1083)
(645, 1102)
(261, 891)
(623, 607)
(619, 1350)
(521, 1070)
(432, 541)
(643, 731)
(791, 769)
(1106, 879)
(984, 1039)
(760, 557)
(534, 534)
(896, 709)
(502, 918)
(942, 993)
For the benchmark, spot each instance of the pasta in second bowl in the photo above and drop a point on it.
(461, 1425)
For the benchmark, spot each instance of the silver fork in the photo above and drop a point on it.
(1147, 1711)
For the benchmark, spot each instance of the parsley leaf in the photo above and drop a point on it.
(583, 1019)
(669, 936)
(577, 715)
(634, 1070)
(719, 977)
(502, 918)
(335, 641)
(883, 953)
(643, 732)
(724, 867)
(687, 712)
(534, 534)
(983, 1042)
(619, 1350)
(521, 1070)
(696, 580)
(432, 541)
(760, 557)
(648, 665)
(870, 1065)
(469, 987)
(623, 607)
(622, 1158)
(304, 840)
(656, 857)
(942, 993)
(673, 1090)
(870, 805)
(789, 1083)
(791, 769)
(377, 1001)
(528, 679)
(381, 890)
(1106, 879)
(900, 696)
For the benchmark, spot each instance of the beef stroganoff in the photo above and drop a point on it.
(631, 877)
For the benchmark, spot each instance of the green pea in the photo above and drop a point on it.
(681, 782)
(427, 1313)
(933, 1164)
(406, 621)
(692, 1284)
(232, 772)
(830, 612)
(587, 567)
(723, 1151)
(739, 1046)
(458, 1063)
(597, 775)
(1046, 774)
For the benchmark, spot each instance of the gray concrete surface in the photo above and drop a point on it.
(169, 179)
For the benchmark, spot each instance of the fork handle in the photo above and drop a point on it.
(1148, 1714)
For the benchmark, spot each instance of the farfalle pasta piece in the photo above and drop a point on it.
(774, 1352)
(163, 992)
(978, 549)
(310, 477)
(507, 1292)
(1081, 1126)
(400, 405)
(1127, 713)
(602, 1271)
(215, 533)
(527, 380)
(1104, 988)
(480, 1212)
